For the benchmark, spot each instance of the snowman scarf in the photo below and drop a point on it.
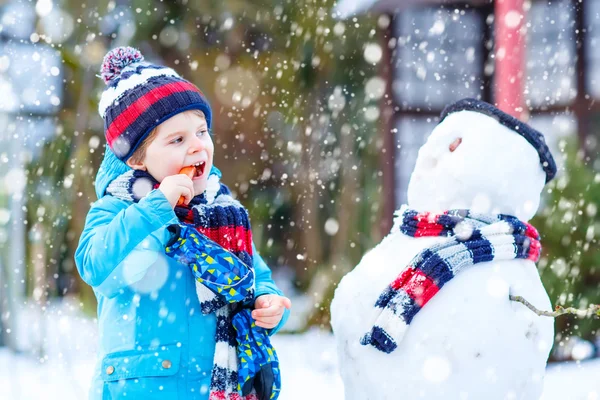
(472, 238)
(214, 240)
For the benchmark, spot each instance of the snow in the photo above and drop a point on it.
(573, 381)
(309, 364)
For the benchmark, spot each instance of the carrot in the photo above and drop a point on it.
(189, 171)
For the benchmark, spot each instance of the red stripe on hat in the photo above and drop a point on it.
(131, 113)
(417, 285)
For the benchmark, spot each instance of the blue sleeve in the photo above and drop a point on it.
(266, 285)
(120, 241)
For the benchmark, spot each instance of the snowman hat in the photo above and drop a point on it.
(534, 137)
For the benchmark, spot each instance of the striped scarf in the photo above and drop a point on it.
(221, 218)
(472, 238)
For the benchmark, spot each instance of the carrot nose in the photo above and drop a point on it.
(455, 144)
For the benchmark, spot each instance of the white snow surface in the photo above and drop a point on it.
(308, 361)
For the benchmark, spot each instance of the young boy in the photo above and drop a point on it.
(156, 338)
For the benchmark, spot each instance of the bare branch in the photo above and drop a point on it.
(592, 311)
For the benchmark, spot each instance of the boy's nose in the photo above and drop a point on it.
(195, 145)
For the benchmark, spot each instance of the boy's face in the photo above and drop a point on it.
(181, 141)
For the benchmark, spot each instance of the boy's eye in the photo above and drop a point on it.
(179, 139)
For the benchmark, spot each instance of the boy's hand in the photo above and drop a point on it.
(175, 186)
(268, 310)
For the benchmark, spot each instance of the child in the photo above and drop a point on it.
(156, 339)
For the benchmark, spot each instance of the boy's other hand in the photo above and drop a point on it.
(268, 310)
(175, 186)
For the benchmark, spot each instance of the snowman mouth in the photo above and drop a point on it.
(199, 169)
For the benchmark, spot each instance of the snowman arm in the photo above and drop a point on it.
(592, 310)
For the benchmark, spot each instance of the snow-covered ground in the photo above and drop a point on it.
(308, 362)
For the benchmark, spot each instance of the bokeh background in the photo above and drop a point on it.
(319, 111)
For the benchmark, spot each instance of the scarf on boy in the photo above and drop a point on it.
(214, 239)
(472, 238)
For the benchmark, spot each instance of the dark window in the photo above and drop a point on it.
(550, 54)
(438, 57)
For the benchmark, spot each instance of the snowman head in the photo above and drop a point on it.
(482, 159)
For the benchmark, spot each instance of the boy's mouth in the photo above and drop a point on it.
(199, 169)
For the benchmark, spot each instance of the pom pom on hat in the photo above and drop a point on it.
(117, 59)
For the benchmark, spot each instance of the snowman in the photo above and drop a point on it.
(426, 314)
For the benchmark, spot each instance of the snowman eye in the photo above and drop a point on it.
(455, 144)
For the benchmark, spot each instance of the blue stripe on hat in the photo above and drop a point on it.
(118, 107)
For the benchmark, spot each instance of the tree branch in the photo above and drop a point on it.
(592, 311)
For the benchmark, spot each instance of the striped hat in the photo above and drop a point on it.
(139, 97)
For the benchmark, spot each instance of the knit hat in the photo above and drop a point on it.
(535, 138)
(139, 97)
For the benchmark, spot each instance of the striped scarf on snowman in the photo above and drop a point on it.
(471, 238)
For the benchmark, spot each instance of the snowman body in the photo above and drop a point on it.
(469, 341)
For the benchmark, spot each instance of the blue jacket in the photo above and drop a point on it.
(154, 341)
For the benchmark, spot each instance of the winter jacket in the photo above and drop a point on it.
(154, 343)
